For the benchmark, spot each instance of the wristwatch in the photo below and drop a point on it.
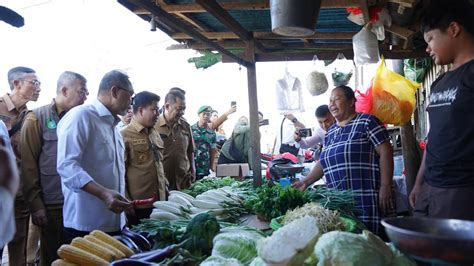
(294, 120)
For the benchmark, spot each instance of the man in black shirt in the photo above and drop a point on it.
(445, 182)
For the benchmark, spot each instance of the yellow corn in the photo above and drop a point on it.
(118, 254)
(113, 242)
(80, 257)
(61, 262)
(93, 248)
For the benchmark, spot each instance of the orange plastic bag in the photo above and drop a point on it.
(393, 96)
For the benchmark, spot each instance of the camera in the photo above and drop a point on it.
(305, 132)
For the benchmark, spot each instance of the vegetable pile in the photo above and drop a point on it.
(222, 202)
(273, 201)
(326, 220)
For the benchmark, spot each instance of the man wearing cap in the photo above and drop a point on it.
(178, 155)
(144, 174)
(204, 142)
(41, 181)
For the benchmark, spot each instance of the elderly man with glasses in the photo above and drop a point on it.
(41, 181)
(91, 160)
(25, 87)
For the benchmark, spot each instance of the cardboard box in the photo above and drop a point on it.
(237, 170)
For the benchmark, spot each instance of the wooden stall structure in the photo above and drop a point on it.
(241, 31)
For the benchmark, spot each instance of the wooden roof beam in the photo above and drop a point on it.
(261, 5)
(269, 36)
(213, 8)
(174, 22)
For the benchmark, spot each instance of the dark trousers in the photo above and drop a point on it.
(139, 215)
(447, 203)
(69, 234)
(224, 160)
(51, 236)
(17, 247)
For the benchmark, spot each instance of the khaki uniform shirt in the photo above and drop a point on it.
(10, 115)
(31, 137)
(144, 174)
(178, 152)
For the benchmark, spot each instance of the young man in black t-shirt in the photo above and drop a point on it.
(445, 182)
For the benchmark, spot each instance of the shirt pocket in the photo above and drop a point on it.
(50, 143)
(141, 153)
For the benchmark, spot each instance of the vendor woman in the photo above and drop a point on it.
(357, 156)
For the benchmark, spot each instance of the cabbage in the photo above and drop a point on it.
(291, 244)
(342, 248)
(220, 261)
(237, 244)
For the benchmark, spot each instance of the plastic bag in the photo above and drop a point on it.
(392, 97)
(317, 83)
(289, 94)
(340, 78)
(366, 47)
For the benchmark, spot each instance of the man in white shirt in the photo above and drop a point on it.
(325, 120)
(91, 160)
(9, 181)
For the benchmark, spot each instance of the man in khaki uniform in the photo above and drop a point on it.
(144, 174)
(178, 156)
(41, 181)
(25, 87)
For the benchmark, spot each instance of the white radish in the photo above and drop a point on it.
(166, 207)
(173, 204)
(210, 198)
(180, 200)
(164, 216)
(204, 204)
(195, 210)
(182, 194)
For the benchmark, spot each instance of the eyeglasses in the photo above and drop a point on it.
(35, 83)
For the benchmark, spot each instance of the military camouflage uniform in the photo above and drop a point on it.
(204, 141)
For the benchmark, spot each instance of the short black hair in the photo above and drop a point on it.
(116, 78)
(173, 95)
(178, 90)
(440, 13)
(17, 73)
(348, 92)
(144, 99)
(322, 111)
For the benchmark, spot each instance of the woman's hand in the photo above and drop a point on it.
(386, 199)
(301, 185)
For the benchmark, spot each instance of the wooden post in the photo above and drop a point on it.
(253, 108)
(411, 151)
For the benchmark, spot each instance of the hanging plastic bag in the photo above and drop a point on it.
(393, 96)
(366, 47)
(340, 78)
(317, 83)
(289, 94)
(364, 101)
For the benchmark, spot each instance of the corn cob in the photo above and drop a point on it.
(93, 248)
(79, 256)
(61, 262)
(118, 254)
(113, 242)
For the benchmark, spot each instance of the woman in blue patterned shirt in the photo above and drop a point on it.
(357, 156)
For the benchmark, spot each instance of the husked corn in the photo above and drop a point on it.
(113, 242)
(118, 254)
(93, 248)
(80, 257)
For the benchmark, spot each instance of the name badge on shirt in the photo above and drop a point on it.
(139, 141)
(51, 124)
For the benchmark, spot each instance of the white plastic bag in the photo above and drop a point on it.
(317, 83)
(366, 47)
(289, 95)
